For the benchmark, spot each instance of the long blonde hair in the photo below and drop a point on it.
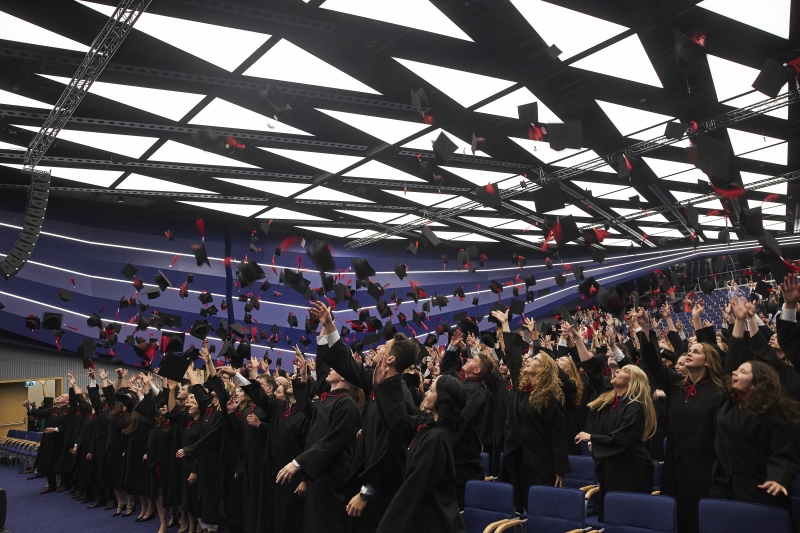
(638, 391)
(575, 377)
(713, 364)
(545, 383)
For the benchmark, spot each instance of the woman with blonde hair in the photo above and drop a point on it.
(576, 401)
(535, 444)
(621, 420)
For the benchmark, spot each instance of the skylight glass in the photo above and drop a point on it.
(530, 205)
(279, 188)
(507, 106)
(691, 177)
(422, 198)
(465, 88)
(743, 142)
(715, 235)
(279, 213)
(621, 242)
(773, 208)
(332, 163)
(223, 114)
(375, 170)
(543, 152)
(656, 132)
(713, 221)
(629, 120)
(137, 182)
(326, 194)
(418, 14)
(609, 192)
(22, 31)
(535, 239)
(98, 178)
(206, 41)
(663, 167)
(756, 97)
(473, 237)
(457, 201)
(489, 222)
(175, 152)
(777, 154)
(772, 16)
(731, 79)
(569, 210)
(448, 235)
(624, 211)
(335, 231)
(425, 142)
(625, 59)
(380, 217)
(414, 218)
(9, 98)
(6, 146)
(524, 225)
(775, 225)
(661, 232)
(168, 104)
(128, 145)
(242, 210)
(711, 204)
(388, 130)
(364, 233)
(479, 177)
(571, 31)
(288, 62)
(778, 188)
(583, 157)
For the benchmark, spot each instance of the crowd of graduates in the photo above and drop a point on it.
(386, 440)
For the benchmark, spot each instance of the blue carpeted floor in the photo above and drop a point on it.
(30, 512)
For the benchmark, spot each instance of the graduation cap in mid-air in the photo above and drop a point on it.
(568, 134)
(598, 255)
(172, 342)
(429, 236)
(66, 295)
(52, 320)
(174, 366)
(129, 271)
(444, 148)
(489, 195)
(161, 280)
(689, 53)
(772, 77)
(362, 268)
(321, 256)
(200, 254)
(713, 158)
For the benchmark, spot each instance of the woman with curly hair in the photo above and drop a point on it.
(621, 420)
(756, 459)
(535, 444)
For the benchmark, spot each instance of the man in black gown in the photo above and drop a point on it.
(53, 438)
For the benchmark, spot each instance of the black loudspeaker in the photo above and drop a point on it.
(3, 509)
(34, 218)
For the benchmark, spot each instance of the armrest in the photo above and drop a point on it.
(587, 487)
(490, 528)
(508, 525)
(591, 492)
(490, 478)
(656, 493)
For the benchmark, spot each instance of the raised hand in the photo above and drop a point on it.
(790, 289)
(457, 339)
(379, 375)
(322, 312)
(698, 309)
(302, 367)
(102, 373)
(233, 404)
(90, 373)
(253, 420)
(472, 342)
(739, 309)
(530, 325)
(643, 319)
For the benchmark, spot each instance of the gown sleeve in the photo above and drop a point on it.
(782, 465)
(339, 358)
(341, 433)
(664, 378)
(629, 430)
(391, 406)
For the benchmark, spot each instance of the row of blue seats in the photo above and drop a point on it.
(20, 445)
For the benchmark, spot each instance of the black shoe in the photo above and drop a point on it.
(75, 490)
(129, 511)
(95, 505)
(110, 505)
(173, 524)
(118, 512)
(148, 518)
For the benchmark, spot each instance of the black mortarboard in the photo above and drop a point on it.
(589, 288)
(247, 318)
(495, 287)
(66, 295)
(417, 318)
(138, 284)
(401, 270)
(32, 322)
(598, 255)
(428, 234)
(388, 330)
(211, 310)
(412, 247)
(156, 321)
(543, 292)
(549, 197)
(310, 325)
(200, 329)
(172, 342)
(515, 291)
(265, 227)
(248, 273)
(624, 166)
(162, 281)
(529, 113)
(362, 268)
(205, 297)
(129, 271)
(445, 260)
(242, 353)
(489, 195)
(426, 306)
(530, 280)
(200, 254)
(476, 141)
(724, 236)
(86, 351)
(707, 286)
(52, 320)
(529, 296)
(384, 309)
(375, 323)
(173, 367)
(751, 222)
(675, 130)
(548, 263)
(688, 54)
(569, 230)
(772, 78)
(565, 315)
(441, 301)
(291, 319)
(768, 241)
(94, 321)
(713, 159)
(340, 292)
(143, 322)
(243, 331)
(517, 307)
(561, 280)
(278, 100)
(568, 134)
(375, 290)
(353, 304)
(152, 294)
(577, 272)
(419, 100)
(444, 148)
(459, 292)
(143, 306)
(762, 288)
(430, 340)
(321, 256)
(719, 264)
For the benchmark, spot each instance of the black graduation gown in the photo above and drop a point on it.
(690, 454)
(136, 474)
(71, 426)
(117, 444)
(101, 423)
(86, 444)
(379, 459)
(52, 443)
(752, 450)
(232, 464)
(189, 435)
(621, 458)
(253, 446)
(426, 501)
(326, 461)
(279, 509)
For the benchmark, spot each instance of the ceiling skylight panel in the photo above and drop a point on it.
(332, 163)
(711, 204)
(414, 218)
(474, 237)
(279, 213)
(422, 198)
(380, 217)
(6, 146)
(712, 221)
(128, 145)
(138, 182)
(175, 152)
(223, 114)
(388, 130)
(691, 177)
(629, 120)
(571, 31)
(530, 205)
(620, 242)
(242, 210)
(777, 154)
(625, 59)
(507, 106)
(624, 211)
(375, 170)
(656, 132)
(465, 88)
(775, 225)
(772, 17)
(425, 142)
(730, 79)
(778, 188)
(524, 225)
(98, 178)
(21, 31)
(743, 142)
(288, 62)
(326, 194)
(756, 97)
(661, 232)
(599, 189)
(279, 188)
(335, 231)
(168, 104)
(535, 239)
(664, 167)
(9, 98)
(771, 208)
(457, 201)
(448, 235)
(583, 157)
(715, 235)
(364, 234)
(418, 14)
(224, 47)
(489, 222)
(569, 210)
(479, 177)
(543, 152)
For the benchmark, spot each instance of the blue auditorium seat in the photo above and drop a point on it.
(725, 516)
(627, 512)
(487, 503)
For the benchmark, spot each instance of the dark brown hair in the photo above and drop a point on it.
(765, 393)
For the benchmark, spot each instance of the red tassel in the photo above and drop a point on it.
(72, 280)
(693, 126)
(794, 64)
(771, 197)
(227, 261)
(231, 142)
(791, 266)
(535, 133)
(489, 188)
(299, 262)
(554, 233)
(428, 119)
(628, 163)
(290, 241)
(201, 227)
(712, 213)
(276, 293)
(731, 194)
(174, 260)
(601, 234)
(699, 37)
(274, 270)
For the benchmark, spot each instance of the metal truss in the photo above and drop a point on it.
(728, 119)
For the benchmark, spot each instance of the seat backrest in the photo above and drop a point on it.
(721, 516)
(583, 472)
(485, 463)
(627, 512)
(31, 436)
(487, 502)
(656, 475)
(555, 509)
